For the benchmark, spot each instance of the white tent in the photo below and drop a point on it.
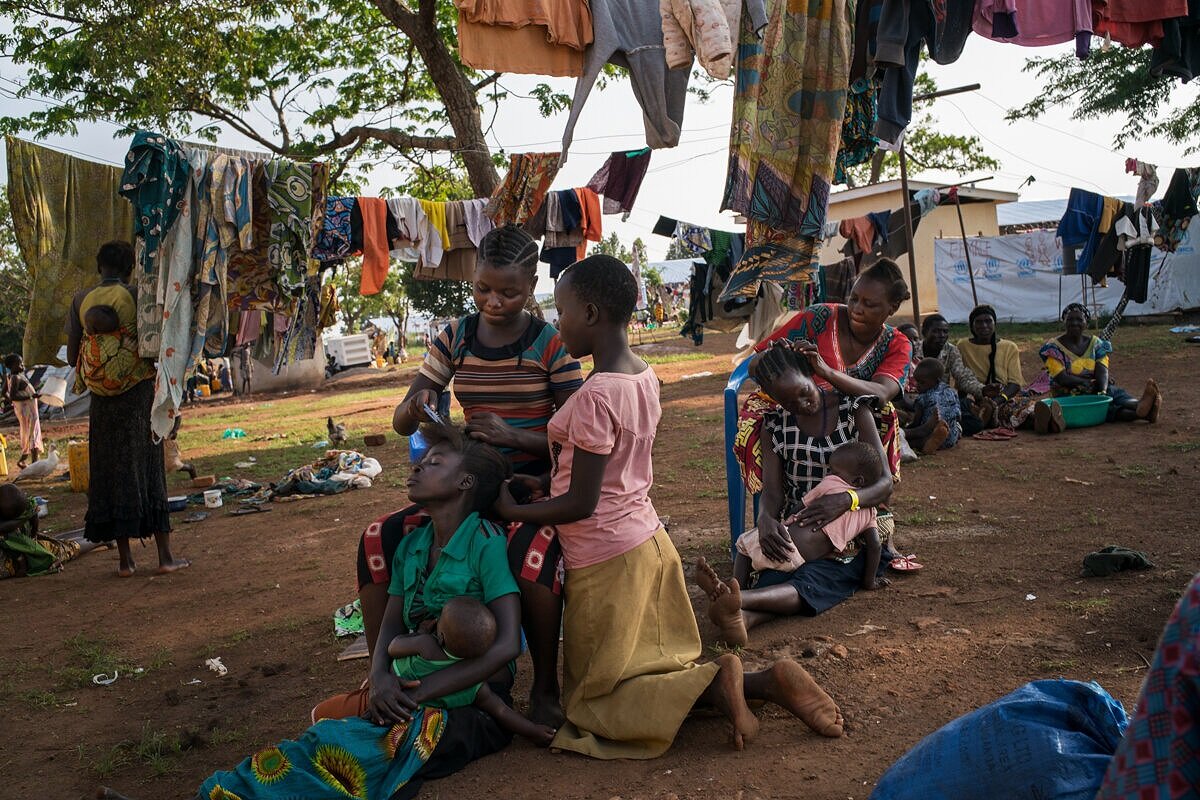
(1021, 276)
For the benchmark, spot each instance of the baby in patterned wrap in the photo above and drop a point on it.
(101, 319)
(852, 466)
(465, 629)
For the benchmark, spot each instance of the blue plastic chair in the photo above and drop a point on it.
(734, 486)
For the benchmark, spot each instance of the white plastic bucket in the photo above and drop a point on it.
(212, 498)
(54, 391)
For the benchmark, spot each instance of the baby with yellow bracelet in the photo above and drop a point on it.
(851, 466)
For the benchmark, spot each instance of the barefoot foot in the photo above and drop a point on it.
(174, 565)
(726, 692)
(726, 613)
(708, 580)
(792, 688)
(1146, 401)
(126, 569)
(936, 438)
(545, 710)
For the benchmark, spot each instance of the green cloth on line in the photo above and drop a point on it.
(348, 620)
(1112, 560)
(63, 209)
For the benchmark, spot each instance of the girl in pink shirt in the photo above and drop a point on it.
(630, 636)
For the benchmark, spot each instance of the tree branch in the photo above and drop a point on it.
(391, 136)
(488, 81)
(284, 135)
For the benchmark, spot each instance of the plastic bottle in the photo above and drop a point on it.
(417, 445)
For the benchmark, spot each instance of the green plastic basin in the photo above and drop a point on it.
(1084, 410)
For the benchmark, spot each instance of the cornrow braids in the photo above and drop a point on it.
(1082, 309)
(778, 360)
(509, 246)
(887, 272)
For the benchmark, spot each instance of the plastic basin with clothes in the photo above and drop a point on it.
(1084, 410)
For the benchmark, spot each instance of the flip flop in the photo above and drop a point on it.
(991, 436)
(196, 516)
(906, 563)
(241, 512)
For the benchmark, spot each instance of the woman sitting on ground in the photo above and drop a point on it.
(1077, 363)
(510, 373)
(800, 435)
(852, 349)
(996, 363)
(405, 737)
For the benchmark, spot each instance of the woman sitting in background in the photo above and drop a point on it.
(996, 363)
(1078, 364)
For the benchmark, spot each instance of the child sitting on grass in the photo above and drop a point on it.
(465, 629)
(936, 410)
(852, 466)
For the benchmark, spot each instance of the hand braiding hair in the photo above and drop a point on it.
(778, 360)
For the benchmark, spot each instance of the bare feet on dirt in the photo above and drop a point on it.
(936, 439)
(1150, 403)
(547, 712)
(126, 570)
(792, 688)
(726, 613)
(173, 566)
(727, 694)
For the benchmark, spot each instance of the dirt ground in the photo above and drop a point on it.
(1001, 527)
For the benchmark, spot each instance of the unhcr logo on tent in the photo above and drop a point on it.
(1025, 268)
(991, 270)
(960, 272)
(1058, 264)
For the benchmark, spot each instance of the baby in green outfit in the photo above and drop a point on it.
(465, 629)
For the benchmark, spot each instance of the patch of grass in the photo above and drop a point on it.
(42, 699)
(707, 466)
(239, 636)
(220, 736)
(920, 518)
(112, 761)
(1067, 452)
(1058, 665)
(712, 494)
(87, 657)
(1011, 474)
(1134, 471)
(720, 649)
(1094, 605)
(1093, 518)
(158, 750)
(1183, 447)
(675, 358)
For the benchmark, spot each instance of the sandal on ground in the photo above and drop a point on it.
(1048, 417)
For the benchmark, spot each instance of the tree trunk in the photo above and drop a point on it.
(456, 91)
(877, 166)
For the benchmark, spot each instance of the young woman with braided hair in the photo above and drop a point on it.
(511, 372)
(799, 436)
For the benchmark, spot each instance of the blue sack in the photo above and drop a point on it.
(1048, 740)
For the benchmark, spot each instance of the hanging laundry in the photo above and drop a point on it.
(1079, 225)
(789, 101)
(250, 326)
(839, 277)
(213, 241)
(866, 33)
(524, 187)
(665, 226)
(289, 197)
(155, 181)
(1178, 55)
(1135, 23)
(251, 281)
(564, 219)
(904, 25)
(620, 178)
(858, 142)
(478, 223)
(239, 211)
(175, 350)
(771, 256)
(559, 258)
(333, 242)
(418, 241)
(1147, 179)
(436, 212)
(1175, 211)
(590, 219)
(1037, 23)
(529, 37)
(375, 263)
(629, 34)
(59, 233)
(695, 238)
(927, 199)
(458, 260)
(327, 317)
(859, 231)
(705, 27)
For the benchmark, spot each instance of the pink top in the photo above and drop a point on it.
(614, 415)
(843, 529)
(1039, 22)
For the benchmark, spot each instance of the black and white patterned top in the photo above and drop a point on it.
(806, 458)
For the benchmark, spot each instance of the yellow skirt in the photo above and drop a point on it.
(629, 647)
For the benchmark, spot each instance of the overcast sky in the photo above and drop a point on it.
(687, 182)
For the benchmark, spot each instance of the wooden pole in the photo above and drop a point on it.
(967, 250)
(908, 238)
